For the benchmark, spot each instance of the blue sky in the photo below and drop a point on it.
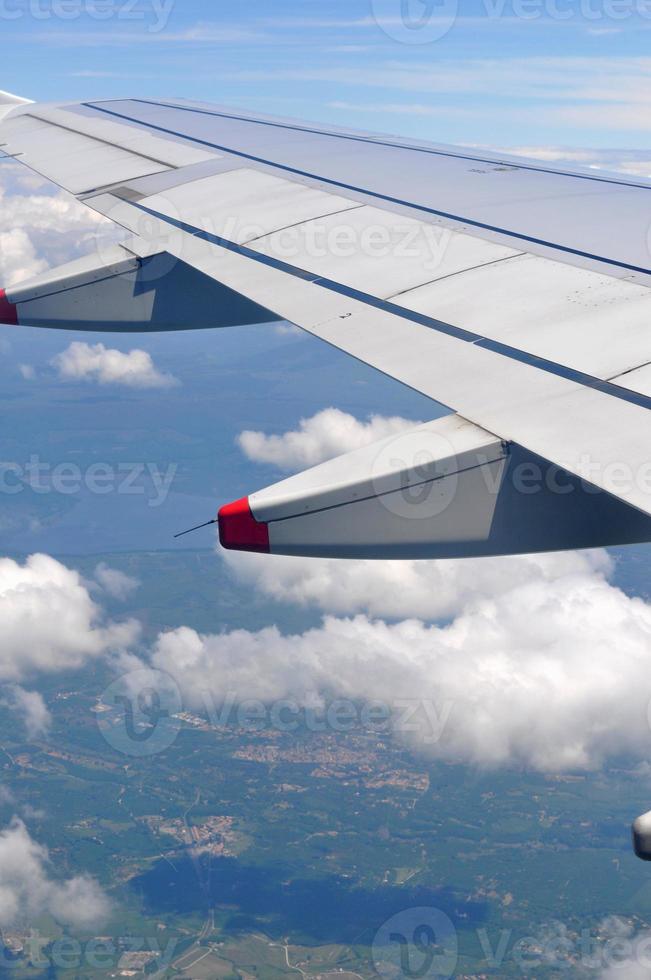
(499, 72)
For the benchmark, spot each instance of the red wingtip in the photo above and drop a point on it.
(239, 530)
(8, 311)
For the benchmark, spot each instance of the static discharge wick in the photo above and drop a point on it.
(198, 528)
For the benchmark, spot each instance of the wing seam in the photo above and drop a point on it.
(459, 333)
(470, 222)
(499, 161)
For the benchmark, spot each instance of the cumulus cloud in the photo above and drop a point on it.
(523, 674)
(28, 889)
(95, 362)
(49, 622)
(115, 583)
(18, 257)
(509, 661)
(41, 226)
(428, 590)
(32, 710)
(327, 434)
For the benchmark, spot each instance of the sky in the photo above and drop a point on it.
(522, 73)
(484, 643)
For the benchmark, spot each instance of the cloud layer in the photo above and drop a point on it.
(427, 590)
(507, 661)
(524, 674)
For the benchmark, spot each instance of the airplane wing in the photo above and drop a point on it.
(512, 292)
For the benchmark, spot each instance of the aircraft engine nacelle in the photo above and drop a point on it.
(123, 291)
(446, 489)
(642, 836)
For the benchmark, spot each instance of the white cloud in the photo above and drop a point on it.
(428, 590)
(49, 622)
(95, 362)
(637, 163)
(115, 583)
(40, 227)
(610, 93)
(18, 257)
(610, 949)
(200, 33)
(524, 674)
(7, 798)
(607, 115)
(288, 330)
(323, 436)
(624, 952)
(546, 79)
(32, 710)
(28, 890)
(630, 969)
(27, 371)
(409, 108)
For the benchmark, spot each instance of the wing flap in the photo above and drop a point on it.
(638, 380)
(585, 218)
(576, 317)
(81, 154)
(544, 307)
(242, 204)
(379, 252)
(76, 162)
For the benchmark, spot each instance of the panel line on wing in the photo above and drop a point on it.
(297, 224)
(467, 336)
(378, 142)
(495, 229)
(97, 139)
(458, 272)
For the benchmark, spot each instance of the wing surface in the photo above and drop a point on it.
(514, 293)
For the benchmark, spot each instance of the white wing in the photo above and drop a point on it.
(514, 293)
